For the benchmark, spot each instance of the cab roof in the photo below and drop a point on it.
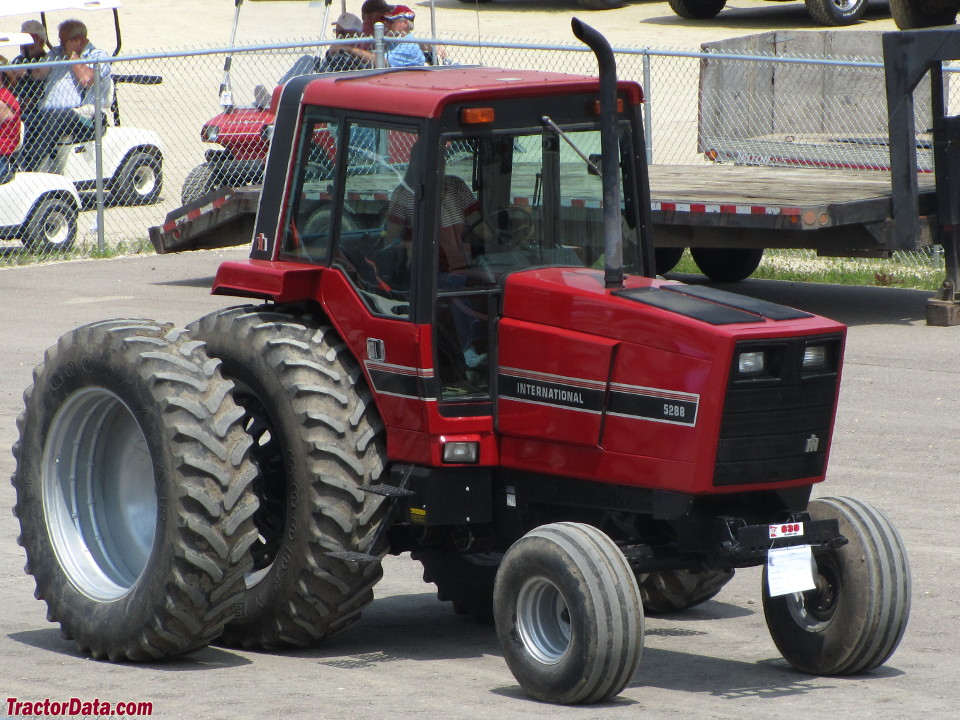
(425, 91)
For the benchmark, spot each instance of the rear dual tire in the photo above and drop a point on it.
(134, 490)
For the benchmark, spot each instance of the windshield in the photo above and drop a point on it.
(538, 200)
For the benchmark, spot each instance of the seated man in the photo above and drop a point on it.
(68, 103)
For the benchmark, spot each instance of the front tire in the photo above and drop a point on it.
(727, 264)
(140, 179)
(199, 181)
(568, 614)
(855, 618)
(52, 226)
(317, 440)
(133, 490)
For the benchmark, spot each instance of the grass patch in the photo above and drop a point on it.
(915, 270)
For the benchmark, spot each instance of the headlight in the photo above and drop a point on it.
(816, 358)
(210, 133)
(752, 363)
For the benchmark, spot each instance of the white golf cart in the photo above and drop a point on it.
(39, 209)
(131, 159)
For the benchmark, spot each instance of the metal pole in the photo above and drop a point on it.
(379, 56)
(648, 107)
(98, 114)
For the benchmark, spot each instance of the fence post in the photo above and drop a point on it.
(378, 49)
(98, 113)
(647, 106)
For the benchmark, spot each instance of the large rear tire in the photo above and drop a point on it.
(676, 590)
(134, 490)
(855, 618)
(912, 14)
(568, 614)
(727, 264)
(317, 440)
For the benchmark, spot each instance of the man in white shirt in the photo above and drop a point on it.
(68, 102)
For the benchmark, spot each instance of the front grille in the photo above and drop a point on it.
(777, 427)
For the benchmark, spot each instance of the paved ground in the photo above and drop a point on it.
(411, 655)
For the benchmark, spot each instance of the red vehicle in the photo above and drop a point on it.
(466, 356)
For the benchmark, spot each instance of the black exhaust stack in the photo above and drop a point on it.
(609, 152)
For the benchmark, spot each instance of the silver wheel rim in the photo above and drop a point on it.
(144, 180)
(99, 494)
(543, 620)
(56, 228)
(845, 6)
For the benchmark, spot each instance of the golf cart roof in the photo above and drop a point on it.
(31, 7)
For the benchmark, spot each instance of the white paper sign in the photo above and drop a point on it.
(790, 570)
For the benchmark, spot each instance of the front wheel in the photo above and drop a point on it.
(697, 9)
(568, 614)
(134, 490)
(833, 13)
(727, 264)
(140, 179)
(855, 617)
(52, 226)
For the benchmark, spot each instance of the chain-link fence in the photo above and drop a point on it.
(163, 136)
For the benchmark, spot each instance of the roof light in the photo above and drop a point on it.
(595, 106)
(477, 115)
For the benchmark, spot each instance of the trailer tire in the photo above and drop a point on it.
(913, 14)
(666, 259)
(856, 617)
(316, 441)
(675, 590)
(52, 225)
(727, 264)
(464, 579)
(697, 9)
(568, 614)
(199, 181)
(134, 490)
(140, 179)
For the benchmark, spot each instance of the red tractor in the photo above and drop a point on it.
(464, 355)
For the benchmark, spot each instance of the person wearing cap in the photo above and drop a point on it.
(9, 124)
(372, 12)
(25, 85)
(398, 22)
(68, 102)
(337, 59)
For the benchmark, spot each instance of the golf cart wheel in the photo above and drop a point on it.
(134, 490)
(316, 440)
(727, 264)
(568, 614)
(140, 179)
(675, 590)
(912, 14)
(854, 619)
(199, 181)
(52, 225)
(833, 13)
(697, 9)
(600, 4)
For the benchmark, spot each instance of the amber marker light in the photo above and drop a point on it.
(476, 115)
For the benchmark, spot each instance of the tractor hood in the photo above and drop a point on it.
(631, 382)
